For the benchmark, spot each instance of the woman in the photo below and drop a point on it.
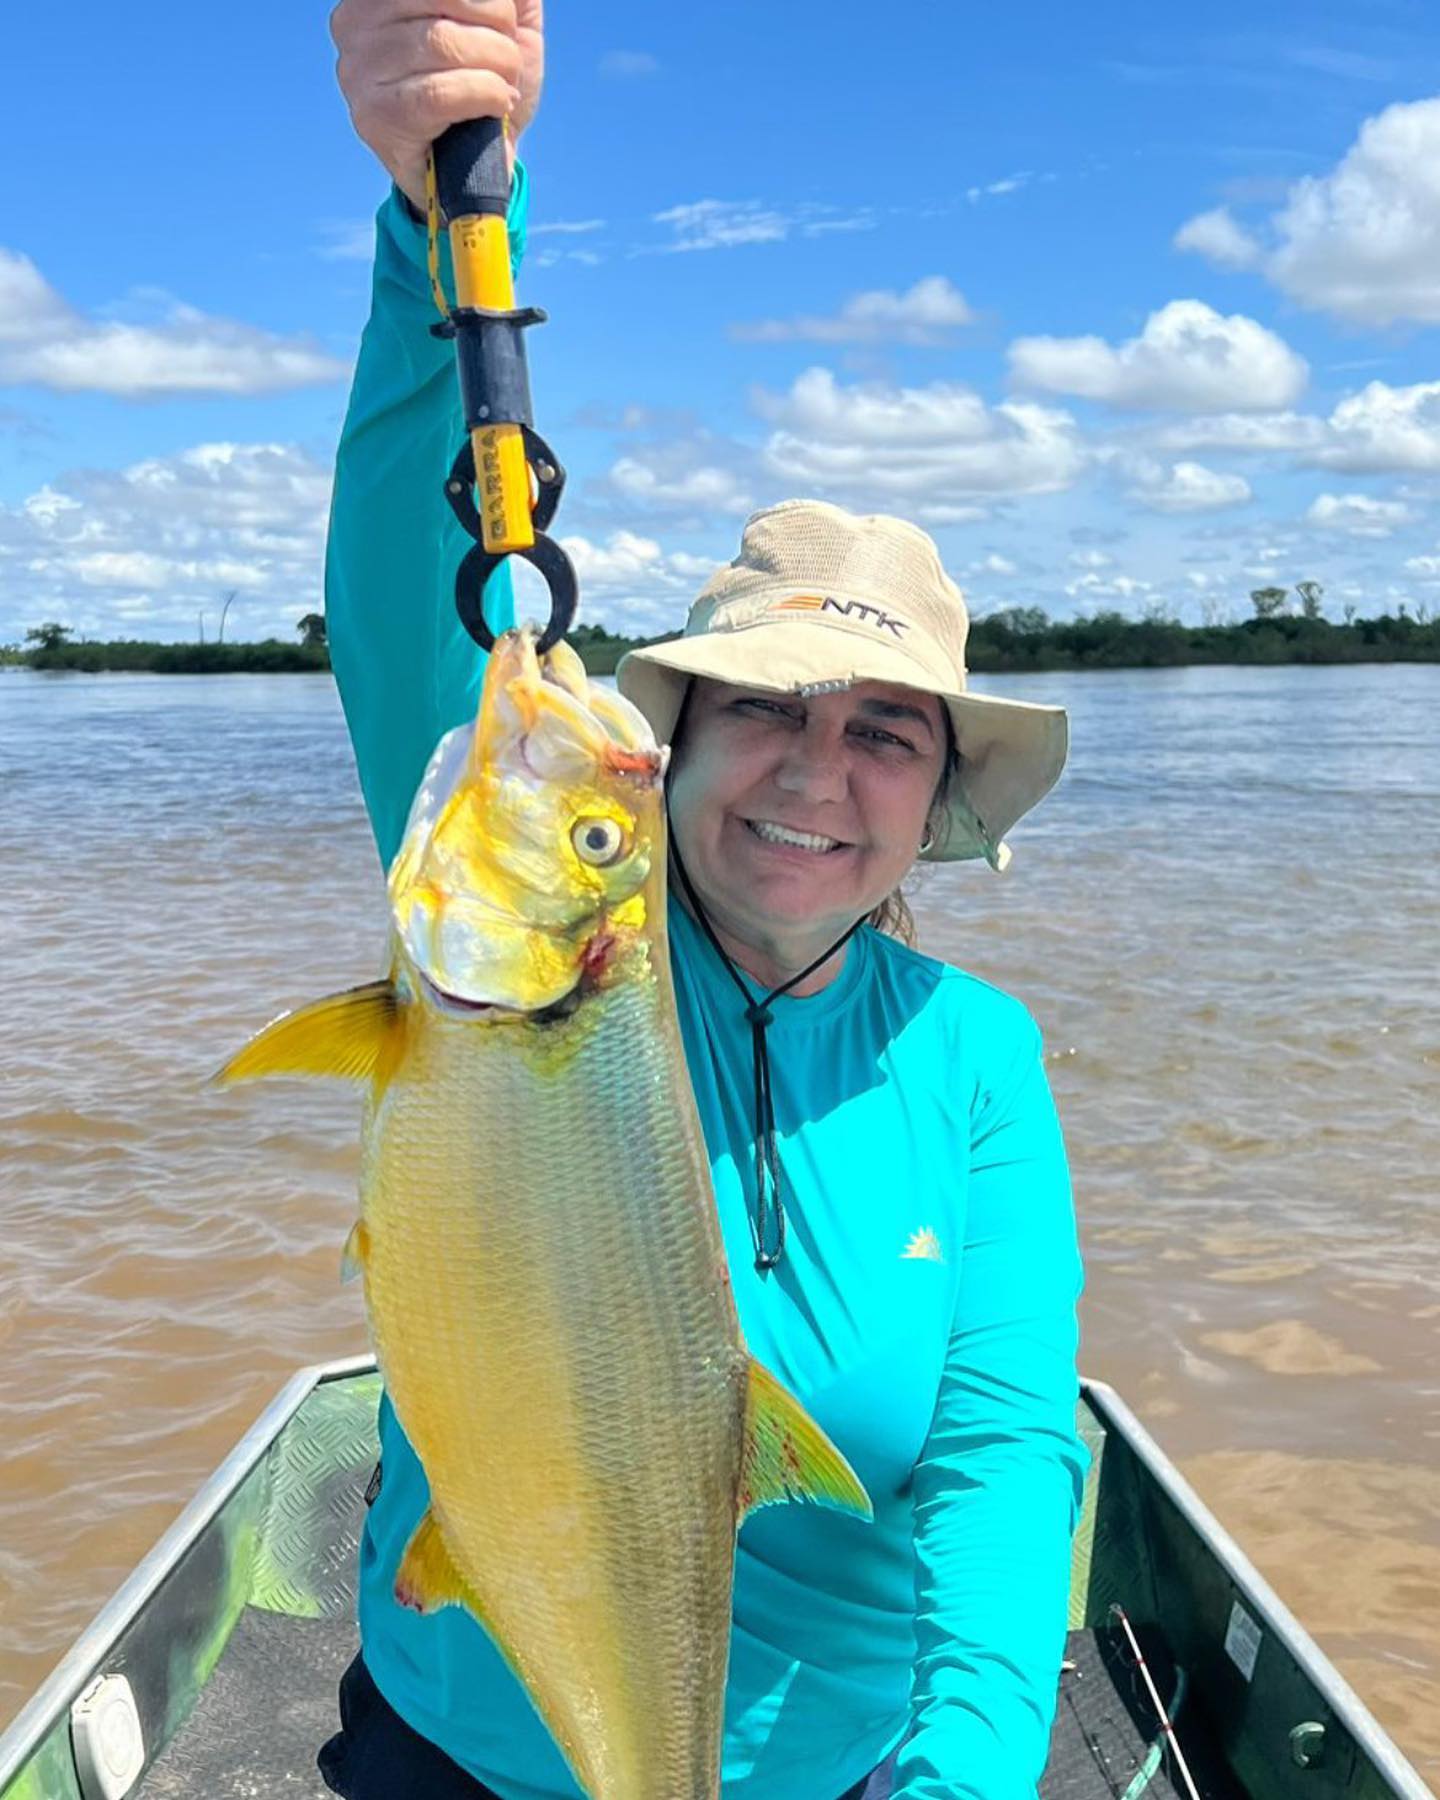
(887, 1164)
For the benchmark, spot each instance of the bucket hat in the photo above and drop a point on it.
(820, 598)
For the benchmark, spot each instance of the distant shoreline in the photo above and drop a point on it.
(1020, 641)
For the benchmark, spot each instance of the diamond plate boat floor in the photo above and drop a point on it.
(270, 1704)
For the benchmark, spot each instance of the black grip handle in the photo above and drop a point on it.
(470, 169)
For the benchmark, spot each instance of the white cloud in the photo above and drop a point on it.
(1380, 428)
(46, 342)
(46, 506)
(1362, 242)
(926, 314)
(566, 227)
(628, 65)
(1427, 567)
(994, 564)
(658, 483)
(27, 301)
(727, 224)
(922, 450)
(722, 224)
(1242, 431)
(347, 240)
(630, 581)
(1090, 559)
(1384, 427)
(1008, 184)
(1187, 487)
(1188, 357)
(1350, 64)
(547, 259)
(820, 220)
(1358, 515)
(945, 512)
(141, 569)
(146, 547)
(1108, 587)
(1217, 236)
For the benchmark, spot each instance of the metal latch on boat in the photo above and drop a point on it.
(506, 481)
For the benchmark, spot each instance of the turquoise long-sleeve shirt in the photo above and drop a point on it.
(924, 1311)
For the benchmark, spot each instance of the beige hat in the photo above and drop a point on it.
(818, 598)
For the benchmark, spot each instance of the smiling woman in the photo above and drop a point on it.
(888, 1172)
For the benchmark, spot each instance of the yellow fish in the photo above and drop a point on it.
(544, 1272)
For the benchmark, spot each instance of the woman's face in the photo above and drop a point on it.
(797, 815)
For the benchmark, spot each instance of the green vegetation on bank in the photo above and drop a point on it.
(1017, 639)
(51, 646)
(1024, 638)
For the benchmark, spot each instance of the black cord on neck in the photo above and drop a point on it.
(769, 1242)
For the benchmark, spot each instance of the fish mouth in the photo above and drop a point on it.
(446, 1002)
(455, 1006)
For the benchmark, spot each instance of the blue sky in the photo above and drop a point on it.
(1129, 311)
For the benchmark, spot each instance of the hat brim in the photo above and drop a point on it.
(1011, 751)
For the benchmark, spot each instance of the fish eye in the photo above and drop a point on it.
(598, 842)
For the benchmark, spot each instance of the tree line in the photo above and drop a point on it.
(1017, 638)
(54, 646)
(1279, 630)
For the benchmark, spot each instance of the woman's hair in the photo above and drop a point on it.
(893, 915)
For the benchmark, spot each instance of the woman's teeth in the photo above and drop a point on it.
(797, 840)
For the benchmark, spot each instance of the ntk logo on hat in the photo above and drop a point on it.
(847, 609)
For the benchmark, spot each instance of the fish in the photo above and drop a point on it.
(544, 1273)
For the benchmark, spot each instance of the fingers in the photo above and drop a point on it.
(357, 15)
(440, 46)
(415, 109)
(411, 68)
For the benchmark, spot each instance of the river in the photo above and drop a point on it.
(1226, 919)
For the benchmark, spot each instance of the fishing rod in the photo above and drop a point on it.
(506, 481)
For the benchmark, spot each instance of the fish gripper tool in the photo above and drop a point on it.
(506, 482)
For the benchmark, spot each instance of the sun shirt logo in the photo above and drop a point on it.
(847, 609)
(924, 1246)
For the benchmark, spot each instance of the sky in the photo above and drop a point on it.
(1131, 311)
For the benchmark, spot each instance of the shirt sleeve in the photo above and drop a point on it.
(999, 1485)
(406, 668)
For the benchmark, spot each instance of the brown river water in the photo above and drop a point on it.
(1227, 921)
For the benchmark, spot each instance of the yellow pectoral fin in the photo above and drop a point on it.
(358, 1035)
(428, 1579)
(788, 1456)
(357, 1248)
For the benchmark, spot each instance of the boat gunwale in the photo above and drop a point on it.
(27, 1732)
(52, 1700)
(1347, 1706)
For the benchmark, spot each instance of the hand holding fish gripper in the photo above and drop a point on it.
(489, 486)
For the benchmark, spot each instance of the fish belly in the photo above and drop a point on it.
(551, 1309)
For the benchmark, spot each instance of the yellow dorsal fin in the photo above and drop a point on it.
(357, 1249)
(788, 1456)
(358, 1035)
(427, 1578)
